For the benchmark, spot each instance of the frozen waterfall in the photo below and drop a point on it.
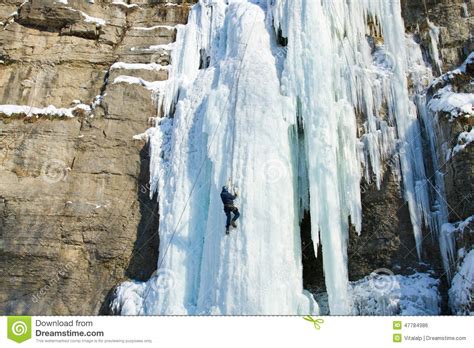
(280, 121)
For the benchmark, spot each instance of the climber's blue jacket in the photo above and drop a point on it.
(227, 197)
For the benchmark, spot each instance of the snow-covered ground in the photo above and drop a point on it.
(385, 294)
(279, 123)
(461, 293)
(447, 100)
(454, 104)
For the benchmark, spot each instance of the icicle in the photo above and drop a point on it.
(330, 61)
(434, 42)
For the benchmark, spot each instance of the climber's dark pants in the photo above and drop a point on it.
(228, 210)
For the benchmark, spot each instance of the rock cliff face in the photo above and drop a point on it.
(75, 217)
(450, 22)
(450, 25)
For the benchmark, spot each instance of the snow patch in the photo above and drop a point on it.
(416, 294)
(454, 104)
(129, 298)
(169, 27)
(155, 48)
(464, 139)
(123, 4)
(458, 227)
(51, 110)
(89, 19)
(446, 78)
(139, 66)
(155, 85)
(462, 288)
(168, 47)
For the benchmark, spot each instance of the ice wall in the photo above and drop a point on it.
(230, 121)
(335, 72)
(313, 72)
(279, 122)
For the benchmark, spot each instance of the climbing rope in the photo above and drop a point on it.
(234, 132)
(234, 109)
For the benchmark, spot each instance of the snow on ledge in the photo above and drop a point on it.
(448, 101)
(123, 4)
(464, 139)
(99, 22)
(169, 27)
(141, 137)
(153, 86)
(139, 66)
(154, 48)
(457, 227)
(29, 111)
(447, 77)
(169, 46)
(455, 104)
(89, 19)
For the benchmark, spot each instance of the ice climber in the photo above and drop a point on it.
(229, 207)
